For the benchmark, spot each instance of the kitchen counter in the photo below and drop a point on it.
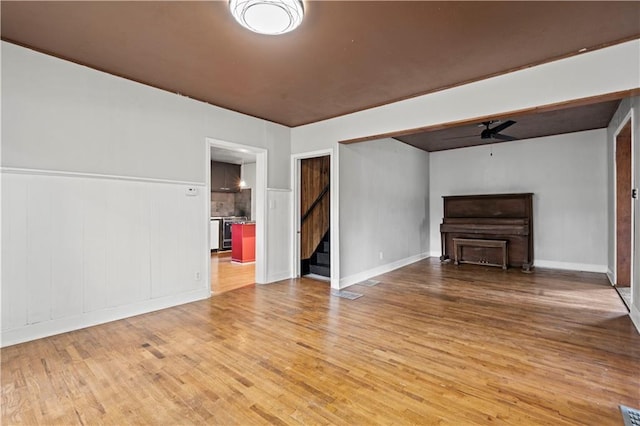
(243, 243)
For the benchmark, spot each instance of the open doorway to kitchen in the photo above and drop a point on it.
(624, 212)
(237, 185)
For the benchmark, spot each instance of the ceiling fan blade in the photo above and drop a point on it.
(503, 137)
(502, 126)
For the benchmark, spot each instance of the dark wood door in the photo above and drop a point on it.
(623, 206)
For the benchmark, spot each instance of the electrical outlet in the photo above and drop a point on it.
(196, 276)
(381, 256)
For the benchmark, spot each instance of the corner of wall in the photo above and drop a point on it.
(379, 270)
(634, 314)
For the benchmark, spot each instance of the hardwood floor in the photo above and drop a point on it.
(430, 344)
(227, 275)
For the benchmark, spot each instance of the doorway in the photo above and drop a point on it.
(239, 201)
(315, 213)
(624, 212)
(315, 251)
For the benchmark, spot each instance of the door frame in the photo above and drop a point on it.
(628, 118)
(260, 193)
(333, 213)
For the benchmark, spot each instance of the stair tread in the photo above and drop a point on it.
(322, 258)
(320, 270)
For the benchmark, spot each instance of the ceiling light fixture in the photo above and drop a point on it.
(268, 16)
(243, 183)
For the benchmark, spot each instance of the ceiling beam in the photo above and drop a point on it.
(510, 114)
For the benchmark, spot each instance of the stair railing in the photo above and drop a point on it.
(315, 203)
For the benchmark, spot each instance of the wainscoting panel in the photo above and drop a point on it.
(94, 265)
(174, 229)
(14, 252)
(279, 234)
(39, 233)
(66, 244)
(78, 246)
(128, 253)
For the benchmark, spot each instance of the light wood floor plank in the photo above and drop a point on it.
(227, 275)
(430, 344)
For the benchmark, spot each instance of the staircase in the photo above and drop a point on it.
(315, 205)
(320, 261)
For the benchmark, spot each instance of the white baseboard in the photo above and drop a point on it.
(63, 325)
(552, 264)
(277, 276)
(612, 279)
(635, 316)
(382, 269)
(586, 267)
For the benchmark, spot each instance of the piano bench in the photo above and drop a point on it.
(458, 243)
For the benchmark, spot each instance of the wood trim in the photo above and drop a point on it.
(512, 114)
(623, 206)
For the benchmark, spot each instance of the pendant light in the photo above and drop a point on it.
(270, 17)
(243, 183)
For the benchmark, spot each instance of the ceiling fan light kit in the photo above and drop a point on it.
(269, 17)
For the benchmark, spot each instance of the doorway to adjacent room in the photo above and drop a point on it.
(236, 177)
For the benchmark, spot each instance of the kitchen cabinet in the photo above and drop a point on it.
(243, 242)
(225, 177)
(214, 234)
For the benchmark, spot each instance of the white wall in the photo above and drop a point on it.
(279, 233)
(62, 116)
(249, 177)
(384, 208)
(566, 173)
(125, 153)
(619, 118)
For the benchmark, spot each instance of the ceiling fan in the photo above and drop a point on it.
(494, 133)
(491, 133)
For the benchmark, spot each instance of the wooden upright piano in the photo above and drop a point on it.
(492, 217)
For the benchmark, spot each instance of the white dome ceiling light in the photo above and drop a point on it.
(268, 16)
